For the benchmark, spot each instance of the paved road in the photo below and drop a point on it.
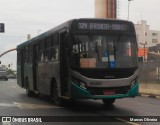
(14, 102)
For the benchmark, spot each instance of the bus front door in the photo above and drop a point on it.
(64, 64)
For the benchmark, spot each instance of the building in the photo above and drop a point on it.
(148, 40)
(106, 8)
(145, 35)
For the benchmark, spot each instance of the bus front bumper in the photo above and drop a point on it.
(80, 93)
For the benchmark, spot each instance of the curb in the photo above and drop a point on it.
(149, 96)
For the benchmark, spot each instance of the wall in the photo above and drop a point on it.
(149, 88)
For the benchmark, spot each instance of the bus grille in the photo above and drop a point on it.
(106, 73)
(118, 90)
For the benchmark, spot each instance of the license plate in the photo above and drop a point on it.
(108, 92)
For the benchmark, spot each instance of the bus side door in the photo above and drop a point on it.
(64, 63)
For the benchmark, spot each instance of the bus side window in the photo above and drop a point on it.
(30, 54)
(18, 57)
(55, 54)
(55, 39)
(48, 43)
(26, 55)
(41, 52)
(54, 50)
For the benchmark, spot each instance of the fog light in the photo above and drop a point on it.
(133, 83)
(82, 85)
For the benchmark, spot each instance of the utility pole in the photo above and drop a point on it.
(39, 32)
(128, 7)
(28, 36)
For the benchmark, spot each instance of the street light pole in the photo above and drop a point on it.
(39, 31)
(128, 7)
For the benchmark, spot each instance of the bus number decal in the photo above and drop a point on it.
(82, 25)
(95, 83)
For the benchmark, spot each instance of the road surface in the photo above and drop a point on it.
(14, 102)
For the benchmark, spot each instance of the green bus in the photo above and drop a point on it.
(81, 59)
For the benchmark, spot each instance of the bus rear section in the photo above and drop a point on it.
(104, 60)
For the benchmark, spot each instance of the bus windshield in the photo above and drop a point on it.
(103, 51)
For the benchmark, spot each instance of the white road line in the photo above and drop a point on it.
(144, 95)
(6, 123)
(131, 123)
(11, 81)
(7, 105)
(158, 97)
(34, 106)
(14, 87)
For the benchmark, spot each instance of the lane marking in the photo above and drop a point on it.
(14, 87)
(158, 97)
(131, 123)
(151, 96)
(34, 106)
(6, 123)
(144, 95)
(7, 105)
(12, 81)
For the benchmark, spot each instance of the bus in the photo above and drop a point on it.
(81, 59)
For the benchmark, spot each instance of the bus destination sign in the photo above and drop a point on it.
(102, 26)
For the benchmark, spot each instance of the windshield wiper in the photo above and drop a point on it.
(116, 43)
(95, 47)
(97, 51)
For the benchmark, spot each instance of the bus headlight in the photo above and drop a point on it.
(83, 85)
(134, 82)
(79, 83)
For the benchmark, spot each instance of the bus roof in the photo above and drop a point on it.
(67, 24)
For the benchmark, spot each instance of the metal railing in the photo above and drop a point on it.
(149, 72)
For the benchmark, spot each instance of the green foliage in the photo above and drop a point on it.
(8, 71)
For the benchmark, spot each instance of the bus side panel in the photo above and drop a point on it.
(47, 71)
(42, 78)
(19, 76)
(20, 67)
(28, 74)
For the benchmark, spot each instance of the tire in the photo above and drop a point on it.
(58, 101)
(29, 93)
(108, 101)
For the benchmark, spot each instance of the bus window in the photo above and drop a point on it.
(48, 42)
(55, 54)
(26, 54)
(41, 52)
(55, 39)
(19, 57)
(100, 51)
(30, 54)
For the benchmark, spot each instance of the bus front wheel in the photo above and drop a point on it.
(108, 101)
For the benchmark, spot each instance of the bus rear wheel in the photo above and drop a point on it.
(58, 101)
(29, 93)
(108, 101)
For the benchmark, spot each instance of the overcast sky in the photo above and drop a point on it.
(22, 17)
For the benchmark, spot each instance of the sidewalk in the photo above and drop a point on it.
(149, 90)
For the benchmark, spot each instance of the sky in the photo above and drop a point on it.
(22, 17)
